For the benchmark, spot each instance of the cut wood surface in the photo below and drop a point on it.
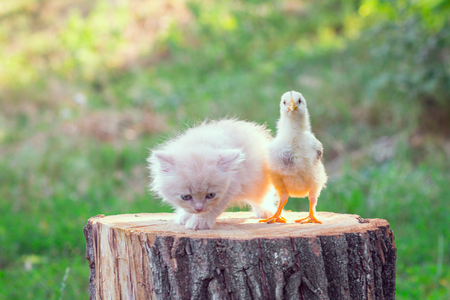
(148, 256)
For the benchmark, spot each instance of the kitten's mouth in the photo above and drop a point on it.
(199, 212)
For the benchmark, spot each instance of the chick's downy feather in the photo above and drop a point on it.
(295, 164)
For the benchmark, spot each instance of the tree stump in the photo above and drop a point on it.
(148, 256)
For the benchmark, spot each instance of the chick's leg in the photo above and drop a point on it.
(277, 216)
(312, 209)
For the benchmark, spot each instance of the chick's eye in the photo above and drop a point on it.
(186, 197)
(299, 101)
(210, 195)
(284, 102)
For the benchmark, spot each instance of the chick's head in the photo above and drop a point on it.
(292, 104)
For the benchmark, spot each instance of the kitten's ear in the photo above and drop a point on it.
(165, 160)
(229, 160)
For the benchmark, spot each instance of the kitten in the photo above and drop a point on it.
(207, 167)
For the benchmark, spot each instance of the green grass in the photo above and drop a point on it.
(51, 199)
(233, 59)
(48, 194)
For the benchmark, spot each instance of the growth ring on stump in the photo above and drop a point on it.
(147, 256)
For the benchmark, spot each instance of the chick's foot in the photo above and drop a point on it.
(274, 219)
(308, 219)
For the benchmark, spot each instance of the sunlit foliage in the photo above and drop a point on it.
(87, 87)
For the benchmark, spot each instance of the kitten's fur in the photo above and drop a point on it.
(226, 158)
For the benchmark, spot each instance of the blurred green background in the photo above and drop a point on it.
(87, 87)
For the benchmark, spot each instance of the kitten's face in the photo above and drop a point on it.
(195, 182)
(198, 192)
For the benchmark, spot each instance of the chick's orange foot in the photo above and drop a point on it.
(308, 219)
(274, 219)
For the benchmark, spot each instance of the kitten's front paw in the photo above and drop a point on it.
(197, 223)
(182, 217)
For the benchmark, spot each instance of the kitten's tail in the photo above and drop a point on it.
(268, 206)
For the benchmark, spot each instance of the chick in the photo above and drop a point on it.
(295, 158)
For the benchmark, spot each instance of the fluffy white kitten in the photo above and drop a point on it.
(204, 169)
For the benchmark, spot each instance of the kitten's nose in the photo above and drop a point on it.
(198, 207)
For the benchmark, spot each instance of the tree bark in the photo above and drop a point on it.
(147, 256)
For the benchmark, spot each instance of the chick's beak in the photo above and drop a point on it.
(292, 105)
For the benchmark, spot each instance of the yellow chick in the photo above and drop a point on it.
(295, 158)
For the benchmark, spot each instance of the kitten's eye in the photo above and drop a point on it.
(210, 195)
(186, 197)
